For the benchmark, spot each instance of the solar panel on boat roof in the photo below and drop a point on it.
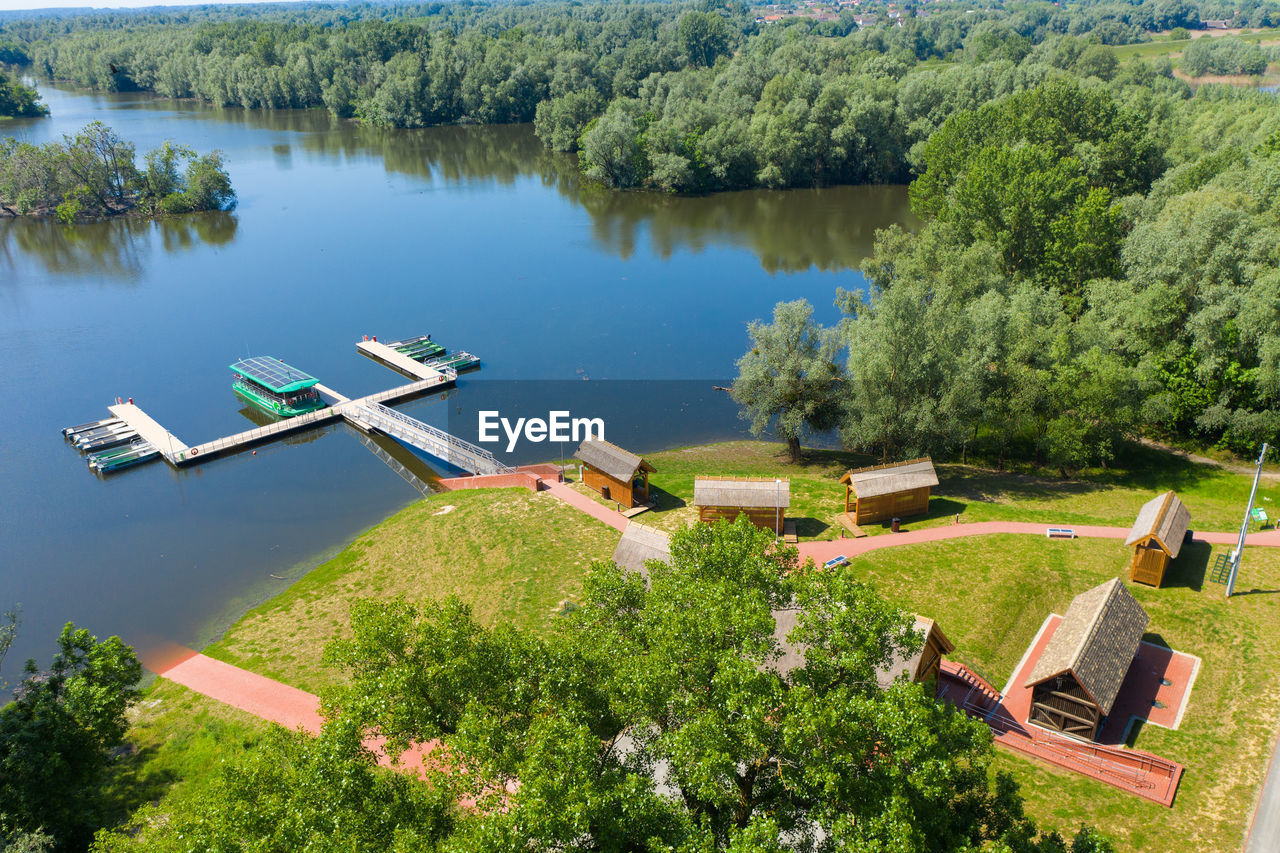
(272, 372)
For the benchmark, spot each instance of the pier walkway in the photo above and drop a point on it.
(144, 425)
(397, 360)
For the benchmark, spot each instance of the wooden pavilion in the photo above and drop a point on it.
(1078, 676)
(1157, 537)
(921, 668)
(617, 474)
(762, 500)
(640, 544)
(896, 490)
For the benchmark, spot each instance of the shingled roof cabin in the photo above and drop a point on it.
(1157, 537)
(921, 668)
(896, 490)
(617, 474)
(761, 500)
(1078, 676)
(638, 544)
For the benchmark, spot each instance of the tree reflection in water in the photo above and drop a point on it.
(115, 248)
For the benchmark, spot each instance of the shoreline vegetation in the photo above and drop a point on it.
(18, 100)
(94, 174)
(522, 572)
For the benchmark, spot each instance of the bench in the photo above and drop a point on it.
(838, 560)
(1060, 533)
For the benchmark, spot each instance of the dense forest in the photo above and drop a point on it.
(1098, 258)
(1094, 266)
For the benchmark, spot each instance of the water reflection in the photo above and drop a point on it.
(115, 248)
(829, 229)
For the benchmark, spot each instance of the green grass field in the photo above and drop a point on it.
(1165, 46)
(1215, 496)
(511, 554)
(990, 595)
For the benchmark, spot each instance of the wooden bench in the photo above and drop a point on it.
(1060, 533)
(789, 531)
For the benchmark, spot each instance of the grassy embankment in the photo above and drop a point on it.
(1216, 496)
(1173, 48)
(515, 555)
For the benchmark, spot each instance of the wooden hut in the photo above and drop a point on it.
(921, 668)
(1157, 537)
(640, 544)
(617, 474)
(1076, 680)
(761, 500)
(888, 491)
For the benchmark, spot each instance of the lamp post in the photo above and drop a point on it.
(777, 500)
(1244, 525)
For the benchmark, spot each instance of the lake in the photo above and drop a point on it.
(476, 235)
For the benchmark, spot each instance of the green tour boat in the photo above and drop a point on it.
(275, 387)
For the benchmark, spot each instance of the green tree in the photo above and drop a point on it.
(17, 99)
(56, 734)
(290, 792)
(703, 37)
(789, 378)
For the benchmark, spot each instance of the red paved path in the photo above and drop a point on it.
(587, 505)
(271, 700)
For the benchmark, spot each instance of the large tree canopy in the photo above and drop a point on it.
(655, 717)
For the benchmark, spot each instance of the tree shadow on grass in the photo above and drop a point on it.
(1191, 567)
(132, 781)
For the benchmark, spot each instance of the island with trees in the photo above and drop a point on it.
(94, 173)
(18, 100)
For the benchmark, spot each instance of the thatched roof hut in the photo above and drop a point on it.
(762, 500)
(898, 489)
(640, 543)
(1078, 676)
(617, 474)
(1157, 537)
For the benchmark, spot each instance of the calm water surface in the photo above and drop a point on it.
(477, 235)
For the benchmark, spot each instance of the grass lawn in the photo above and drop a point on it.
(1215, 496)
(176, 737)
(510, 553)
(990, 595)
(1166, 46)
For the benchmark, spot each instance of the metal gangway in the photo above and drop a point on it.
(423, 487)
(425, 437)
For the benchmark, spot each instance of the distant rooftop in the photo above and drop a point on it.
(273, 374)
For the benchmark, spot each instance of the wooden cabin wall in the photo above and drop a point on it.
(618, 490)
(1044, 704)
(892, 505)
(930, 660)
(765, 518)
(1148, 564)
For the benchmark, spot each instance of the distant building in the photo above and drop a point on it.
(640, 544)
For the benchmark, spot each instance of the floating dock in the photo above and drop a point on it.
(169, 445)
(130, 435)
(397, 360)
